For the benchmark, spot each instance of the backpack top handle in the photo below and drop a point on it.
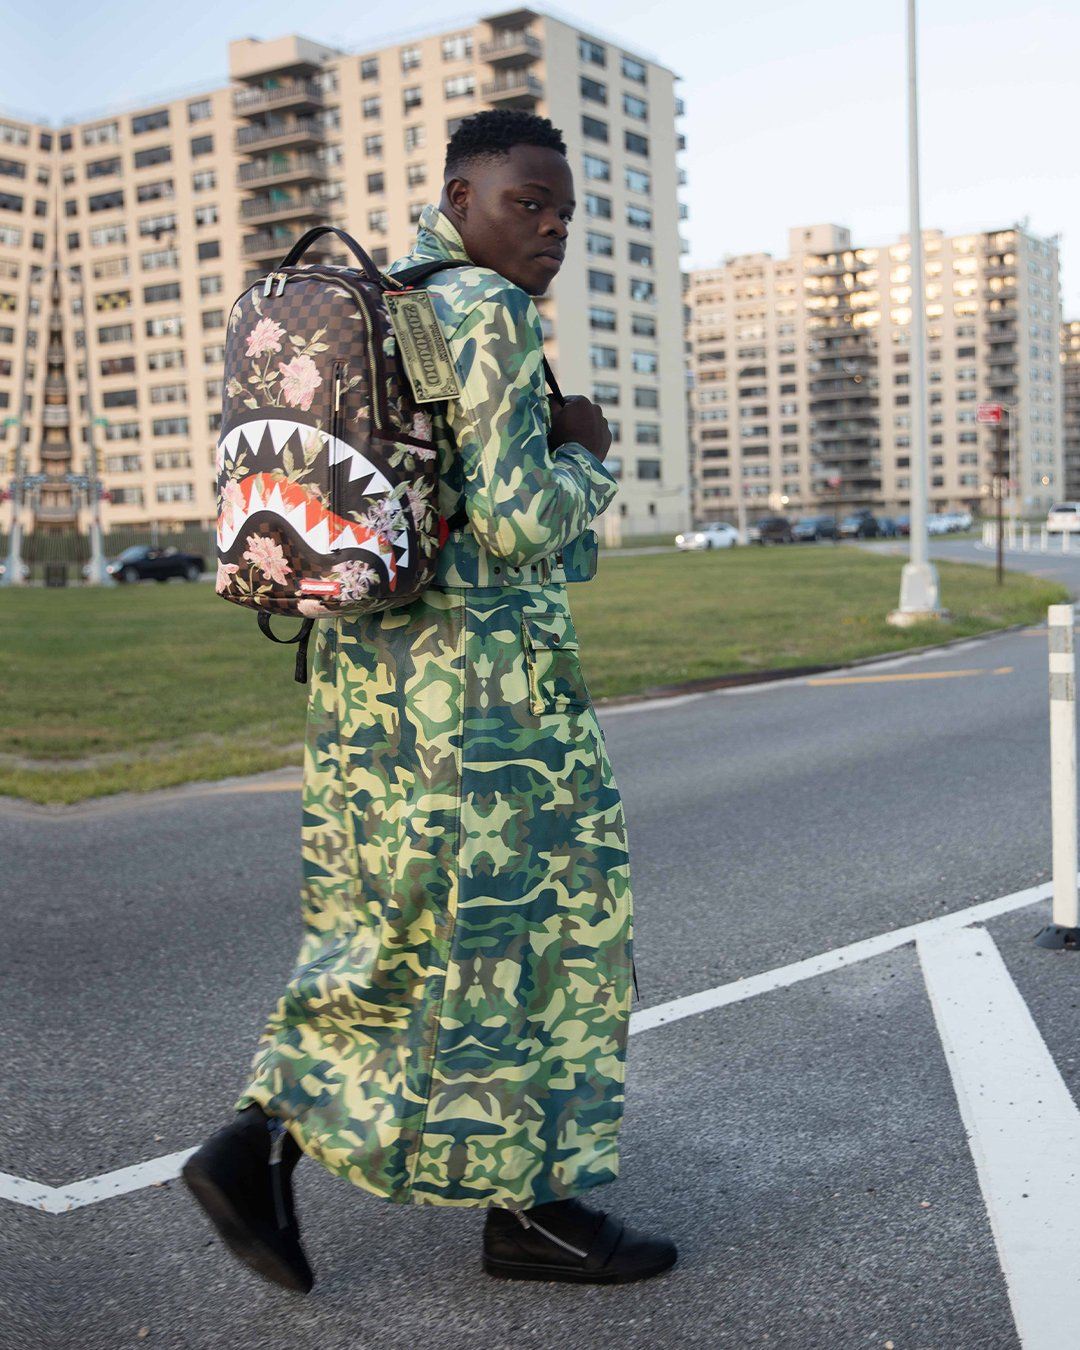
(305, 241)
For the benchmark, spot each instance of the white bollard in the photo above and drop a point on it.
(986, 534)
(1010, 535)
(1043, 539)
(1065, 541)
(1025, 536)
(1064, 930)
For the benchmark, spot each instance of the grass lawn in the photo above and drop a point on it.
(149, 686)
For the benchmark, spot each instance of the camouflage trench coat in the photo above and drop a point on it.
(454, 1032)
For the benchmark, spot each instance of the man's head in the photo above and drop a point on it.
(508, 189)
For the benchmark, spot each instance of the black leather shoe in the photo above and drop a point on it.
(242, 1178)
(565, 1240)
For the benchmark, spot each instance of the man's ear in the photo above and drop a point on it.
(457, 193)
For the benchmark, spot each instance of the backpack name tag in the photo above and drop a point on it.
(423, 348)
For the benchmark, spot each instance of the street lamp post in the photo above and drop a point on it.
(919, 582)
(96, 575)
(13, 570)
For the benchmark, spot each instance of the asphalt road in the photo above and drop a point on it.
(804, 1147)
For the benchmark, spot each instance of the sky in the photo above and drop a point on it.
(795, 109)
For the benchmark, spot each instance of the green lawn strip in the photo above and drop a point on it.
(150, 686)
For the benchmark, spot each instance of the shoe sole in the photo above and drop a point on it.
(239, 1239)
(510, 1270)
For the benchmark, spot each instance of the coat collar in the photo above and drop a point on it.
(437, 236)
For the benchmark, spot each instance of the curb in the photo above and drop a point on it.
(795, 672)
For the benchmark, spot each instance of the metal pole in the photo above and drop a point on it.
(96, 574)
(13, 566)
(919, 592)
(999, 484)
(1063, 932)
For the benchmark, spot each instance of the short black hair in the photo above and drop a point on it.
(491, 134)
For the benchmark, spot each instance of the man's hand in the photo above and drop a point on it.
(579, 419)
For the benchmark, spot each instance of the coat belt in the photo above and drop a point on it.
(464, 563)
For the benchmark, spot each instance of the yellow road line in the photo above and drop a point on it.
(923, 675)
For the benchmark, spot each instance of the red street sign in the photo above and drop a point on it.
(989, 412)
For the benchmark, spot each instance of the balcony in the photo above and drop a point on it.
(55, 513)
(283, 208)
(300, 168)
(274, 244)
(55, 415)
(510, 88)
(1005, 333)
(56, 384)
(53, 450)
(512, 45)
(289, 94)
(299, 131)
(55, 353)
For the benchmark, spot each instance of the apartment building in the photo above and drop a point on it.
(125, 237)
(1070, 407)
(800, 376)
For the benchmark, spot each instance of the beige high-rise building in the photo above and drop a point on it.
(799, 373)
(153, 219)
(1070, 407)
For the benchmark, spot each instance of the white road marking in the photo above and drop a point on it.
(1023, 1127)
(61, 1199)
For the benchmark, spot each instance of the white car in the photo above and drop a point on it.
(957, 520)
(937, 523)
(1065, 516)
(718, 534)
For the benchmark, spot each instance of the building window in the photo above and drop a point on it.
(371, 106)
(206, 215)
(607, 394)
(648, 468)
(415, 174)
(646, 398)
(641, 253)
(635, 107)
(169, 325)
(204, 180)
(160, 191)
(593, 90)
(603, 358)
(643, 325)
(647, 433)
(150, 122)
(457, 48)
(169, 290)
(210, 249)
(591, 127)
(377, 222)
(103, 168)
(412, 97)
(212, 285)
(410, 58)
(106, 133)
(120, 398)
(602, 282)
(369, 68)
(634, 70)
(638, 216)
(104, 201)
(602, 318)
(459, 86)
(373, 145)
(645, 363)
(591, 51)
(202, 145)
(597, 168)
(642, 290)
(597, 206)
(200, 110)
(376, 182)
(599, 245)
(637, 180)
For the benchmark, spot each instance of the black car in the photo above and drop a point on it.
(771, 530)
(814, 527)
(859, 525)
(143, 563)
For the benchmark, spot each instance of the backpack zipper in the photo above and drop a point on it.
(337, 470)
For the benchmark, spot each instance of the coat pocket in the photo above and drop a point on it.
(552, 662)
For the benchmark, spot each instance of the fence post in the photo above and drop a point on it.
(1043, 539)
(1025, 536)
(1063, 932)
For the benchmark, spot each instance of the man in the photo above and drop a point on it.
(455, 1030)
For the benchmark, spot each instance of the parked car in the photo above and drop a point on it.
(903, 525)
(859, 525)
(887, 527)
(143, 563)
(717, 534)
(936, 523)
(814, 527)
(771, 530)
(1063, 517)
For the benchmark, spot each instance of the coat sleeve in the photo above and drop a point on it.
(523, 500)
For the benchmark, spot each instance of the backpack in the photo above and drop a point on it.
(327, 467)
